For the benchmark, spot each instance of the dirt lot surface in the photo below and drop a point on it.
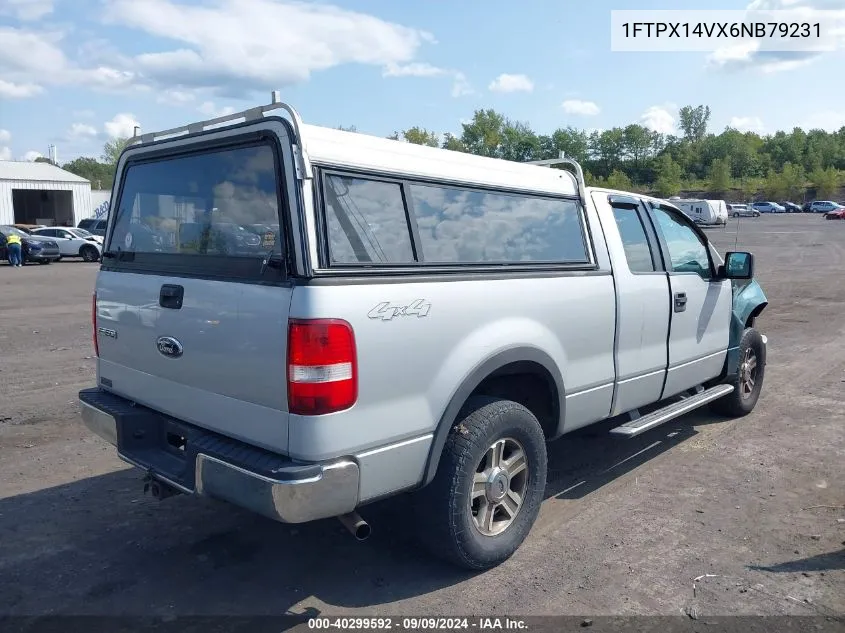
(755, 504)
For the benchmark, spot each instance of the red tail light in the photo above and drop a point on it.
(322, 366)
(94, 323)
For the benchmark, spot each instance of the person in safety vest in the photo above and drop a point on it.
(13, 250)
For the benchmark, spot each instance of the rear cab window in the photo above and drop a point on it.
(214, 212)
(371, 221)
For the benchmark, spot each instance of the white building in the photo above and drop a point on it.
(41, 193)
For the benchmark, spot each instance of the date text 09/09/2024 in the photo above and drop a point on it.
(418, 623)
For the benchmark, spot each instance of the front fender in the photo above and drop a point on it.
(749, 301)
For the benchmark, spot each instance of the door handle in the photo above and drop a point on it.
(680, 301)
(171, 296)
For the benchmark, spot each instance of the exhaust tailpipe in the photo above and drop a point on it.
(353, 522)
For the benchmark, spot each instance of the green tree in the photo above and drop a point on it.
(483, 135)
(421, 136)
(572, 142)
(693, 121)
(719, 175)
(637, 142)
(826, 182)
(350, 128)
(749, 187)
(44, 159)
(618, 180)
(453, 143)
(792, 177)
(668, 182)
(519, 142)
(113, 149)
(100, 174)
(774, 186)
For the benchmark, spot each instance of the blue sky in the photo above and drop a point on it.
(78, 72)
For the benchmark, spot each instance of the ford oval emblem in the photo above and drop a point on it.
(169, 346)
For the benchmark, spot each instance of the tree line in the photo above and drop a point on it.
(734, 165)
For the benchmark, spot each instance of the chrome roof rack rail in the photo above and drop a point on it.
(570, 162)
(303, 164)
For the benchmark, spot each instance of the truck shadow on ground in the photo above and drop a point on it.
(99, 546)
(821, 562)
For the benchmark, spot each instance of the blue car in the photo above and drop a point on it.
(768, 207)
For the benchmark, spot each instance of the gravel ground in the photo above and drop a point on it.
(753, 508)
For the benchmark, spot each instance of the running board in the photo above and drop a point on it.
(647, 422)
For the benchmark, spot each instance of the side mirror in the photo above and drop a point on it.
(738, 265)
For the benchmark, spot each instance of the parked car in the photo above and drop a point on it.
(836, 214)
(823, 206)
(74, 242)
(742, 210)
(34, 248)
(94, 226)
(791, 207)
(768, 207)
(450, 314)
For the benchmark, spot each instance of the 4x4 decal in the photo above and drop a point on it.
(387, 310)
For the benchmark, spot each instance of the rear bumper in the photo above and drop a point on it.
(212, 465)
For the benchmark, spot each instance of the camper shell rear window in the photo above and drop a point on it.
(214, 212)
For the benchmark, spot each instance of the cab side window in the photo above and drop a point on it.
(687, 251)
(634, 240)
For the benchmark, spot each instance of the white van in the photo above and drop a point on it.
(708, 212)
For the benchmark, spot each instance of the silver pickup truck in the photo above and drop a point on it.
(301, 320)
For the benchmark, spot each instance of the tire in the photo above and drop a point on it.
(44, 262)
(448, 514)
(742, 400)
(89, 254)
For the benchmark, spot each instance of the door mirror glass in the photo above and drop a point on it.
(739, 265)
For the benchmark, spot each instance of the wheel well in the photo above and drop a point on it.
(84, 246)
(755, 313)
(529, 384)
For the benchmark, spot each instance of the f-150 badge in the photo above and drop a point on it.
(386, 310)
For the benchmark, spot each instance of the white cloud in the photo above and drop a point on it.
(511, 83)
(258, 44)
(5, 150)
(747, 54)
(660, 119)
(747, 124)
(82, 130)
(582, 108)
(121, 126)
(31, 155)
(415, 69)
(461, 87)
(30, 60)
(9, 90)
(27, 9)
(176, 97)
(209, 109)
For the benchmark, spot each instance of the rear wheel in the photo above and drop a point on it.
(736, 215)
(488, 488)
(748, 382)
